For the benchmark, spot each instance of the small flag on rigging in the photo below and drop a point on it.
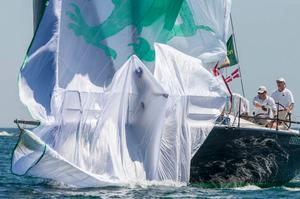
(235, 74)
(231, 51)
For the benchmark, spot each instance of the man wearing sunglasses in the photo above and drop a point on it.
(265, 106)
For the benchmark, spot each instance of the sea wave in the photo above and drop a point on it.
(4, 133)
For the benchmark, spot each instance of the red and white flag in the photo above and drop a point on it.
(235, 74)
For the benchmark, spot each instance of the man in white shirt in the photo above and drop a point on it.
(264, 105)
(284, 97)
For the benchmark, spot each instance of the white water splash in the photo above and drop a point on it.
(165, 183)
(248, 188)
(292, 188)
(4, 133)
(132, 185)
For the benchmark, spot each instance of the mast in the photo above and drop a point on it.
(38, 10)
(237, 54)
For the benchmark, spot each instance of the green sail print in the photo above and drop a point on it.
(139, 14)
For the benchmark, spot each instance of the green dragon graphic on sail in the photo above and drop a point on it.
(139, 14)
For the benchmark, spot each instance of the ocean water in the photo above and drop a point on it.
(12, 186)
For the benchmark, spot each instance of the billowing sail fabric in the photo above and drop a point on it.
(196, 99)
(80, 44)
(142, 127)
(38, 10)
(201, 30)
(97, 112)
(37, 79)
(109, 138)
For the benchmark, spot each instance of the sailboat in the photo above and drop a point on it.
(240, 150)
(125, 97)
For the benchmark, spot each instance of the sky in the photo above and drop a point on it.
(267, 33)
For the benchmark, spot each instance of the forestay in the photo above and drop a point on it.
(104, 124)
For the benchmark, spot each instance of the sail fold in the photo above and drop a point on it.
(196, 99)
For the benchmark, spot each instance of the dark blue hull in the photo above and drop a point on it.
(247, 155)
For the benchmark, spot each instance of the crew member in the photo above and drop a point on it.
(265, 106)
(284, 98)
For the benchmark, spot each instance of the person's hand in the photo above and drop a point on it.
(264, 108)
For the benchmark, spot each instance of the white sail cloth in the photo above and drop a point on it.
(101, 127)
(238, 105)
(134, 131)
(71, 52)
(196, 99)
(210, 45)
(108, 138)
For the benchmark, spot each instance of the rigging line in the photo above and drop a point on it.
(237, 55)
(241, 78)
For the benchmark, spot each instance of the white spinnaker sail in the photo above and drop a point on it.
(70, 72)
(136, 130)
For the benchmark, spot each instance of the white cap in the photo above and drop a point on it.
(262, 89)
(280, 79)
